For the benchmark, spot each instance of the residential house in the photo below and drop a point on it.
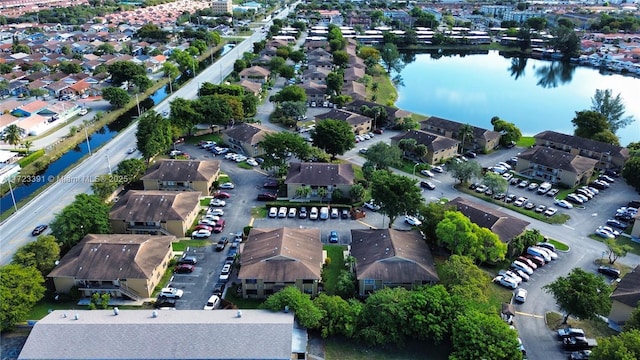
(120, 265)
(246, 138)
(182, 175)
(607, 155)
(324, 62)
(315, 91)
(391, 258)
(625, 297)
(356, 90)
(256, 74)
(500, 223)
(251, 87)
(635, 230)
(480, 140)
(155, 212)
(273, 259)
(331, 177)
(555, 166)
(391, 113)
(316, 74)
(359, 123)
(353, 74)
(184, 334)
(439, 148)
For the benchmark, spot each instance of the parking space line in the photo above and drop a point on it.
(365, 224)
(568, 227)
(261, 171)
(531, 315)
(251, 221)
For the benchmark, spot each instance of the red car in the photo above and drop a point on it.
(219, 226)
(184, 269)
(203, 227)
(221, 195)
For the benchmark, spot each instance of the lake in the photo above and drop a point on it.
(536, 95)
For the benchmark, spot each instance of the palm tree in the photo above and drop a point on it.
(13, 134)
(322, 193)
(421, 151)
(27, 144)
(465, 132)
(303, 191)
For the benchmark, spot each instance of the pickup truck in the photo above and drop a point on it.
(578, 343)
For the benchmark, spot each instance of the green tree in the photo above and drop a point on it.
(624, 346)
(38, 92)
(105, 185)
(396, 194)
(465, 170)
(142, 82)
(170, 70)
(116, 96)
(634, 321)
(492, 338)
(277, 146)
(616, 250)
(465, 279)
(357, 193)
(27, 144)
(495, 182)
(587, 123)
(287, 72)
(407, 145)
(130, 170)
(432, 213)
(630, 172)
(421, 151)
(383, 155)
(303, 192)
(87, 214)
(521, 242)
(581, 294)
(510, 132)
(346, 284)
(537, 23)
(123, 71)
(68, 67)
(369, 52)
(239, 65)
(293, 109)
(306, 312)
(340, 58)
(566, 41)
(20, 289)
(105, 48)
(333, 136)
(41, 254)
(612, 108)
(13, 134)
(391, 58)
(384, 315)
(335, 81)
(185, 115)
(462, 237)
(465, 133)
(290, 93)
(153, 135)
(339, 317)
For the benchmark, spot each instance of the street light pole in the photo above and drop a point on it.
(414, 168)
(12, 197)
(138, 104)
(86, 135)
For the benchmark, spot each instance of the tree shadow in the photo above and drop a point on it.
(555, 73)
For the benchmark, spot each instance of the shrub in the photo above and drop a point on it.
(30, 158)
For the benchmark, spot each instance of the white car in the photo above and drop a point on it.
(550, 211)
(564, 203)
(227, 186)
(313, 214)
(212, 303)
(226, 270)
(252, 162)
(131, 151)
(521, 266)
(282, 212)
(437, 169)
(604, 234)
(426, 173)
(412, 220)
(520, 201)
(273, 212)
(215, 212)
(201, 234)
(292, 212)
(240, 158)
(523, 275)
(217, 203)
(615, 233)
(510, 274)
(506, 282)
(371, 205)
(170, 292)
(520, 295)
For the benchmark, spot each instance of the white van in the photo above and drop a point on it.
(536, 251)
(551, 254)
(544, 187)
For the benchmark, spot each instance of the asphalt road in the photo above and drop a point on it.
(15, 232)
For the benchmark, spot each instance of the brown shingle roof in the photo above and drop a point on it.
(454, 126)
(392, 256)
(247, 133)
(338, 114)
(320, 174)
(282, 255)
(255, 71)
(114, 256)
(558, 159)
(433, 142)
(577, 142)
(501, 224)
(628, 289)
(183, 170)
(151, 205)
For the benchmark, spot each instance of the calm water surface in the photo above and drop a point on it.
(536, 95)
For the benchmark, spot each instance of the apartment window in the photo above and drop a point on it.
(251, 291)
(369, 282)
(307, 281)
(251, 281)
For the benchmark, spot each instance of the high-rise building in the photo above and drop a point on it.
(222, 6)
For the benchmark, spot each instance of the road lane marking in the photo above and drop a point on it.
(365, 224)
(261, 172)
(568, 227)
(251, 221)
(531, 315)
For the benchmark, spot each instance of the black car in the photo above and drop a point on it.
(302, 214)
(218, 289)
(270, 185)
(164, 302)
(191, 260)
(427, 185)
(344, 214)
(580, 355)
(222, 243)
(624, 216)
(267, 197)
(510, 198)
(578, 343)
(39, 230)
(609, 271)
(617, 224)
(473, 186)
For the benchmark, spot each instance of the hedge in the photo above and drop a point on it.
(31, 158)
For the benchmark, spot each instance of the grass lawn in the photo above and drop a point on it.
(526, 141)
(208, 137)
(559, 245)
(244, 165)
(330, 272)
(386, 94)
(259, 212)
(621, 240)
(205, 202)
(223, 178)
(337, 348)
(182, 245)
(408, 167)
(592, 328)
(239, 301)
(41, 309)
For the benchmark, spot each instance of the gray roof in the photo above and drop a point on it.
(454, 126)
(152, 205)
(282, 255)
(392, 113)
(114, 256)
(179, 334)
(577, 142)
(558, 159)
(433, 142)
(628, 289)
(183, 170)
(500, 223)
(338, 114)
(247, 133)
(320, 174)
(392, 256)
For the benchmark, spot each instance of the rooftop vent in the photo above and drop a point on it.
(116, 311)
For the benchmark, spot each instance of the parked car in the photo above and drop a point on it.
(371, 205)
(201, 234)
(344, 214)
(520, 295)
(536, 251)
(552, 192)
(604, 234)
(540, 208)
(564, 204)
(538, 260)
(39, 230)
(184, 269)
(186, 259)
(222, 243)
(529, 205)
(215, 212)
(282, 212)
(523, 275)
(427, 185)
(578, 343)
(334, 213)
(412, 220)
(324, 213)
(510, 274)
(546, 245)
(203, 227)
(270, 185)
(427, 173)
(165, 303)
(527, 262)
(617, 224)
(550, 211)
(521, 266)
(212, 303)
(226, 271)
(171, 293)
(313, 214)
(267, 197)
(609, 271)
(217, 203)
(227, 185)
(506, 282)
(510, 198)
(218, 288)
(481, 188)
(302, 214)
(580, 355)
(523, 184)
(437, 169)
(221, 195)
(219, 226)
(532, 186)
(273, 212)
(568, 332)
(520, 201)
(334, 237)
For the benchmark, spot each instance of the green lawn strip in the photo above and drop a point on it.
(42, 307)
(208, 137)
(386, 93)
(621, 240)
(183, 244)
(563, 193)
(259, 212)
(408, 167)
(205, 202)
(592, 328)
(560, 246)
(331, 271)
(526, 141)
(238, 301)
(244, 165)
(343, 348)
(223, 178)
(558, 218)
